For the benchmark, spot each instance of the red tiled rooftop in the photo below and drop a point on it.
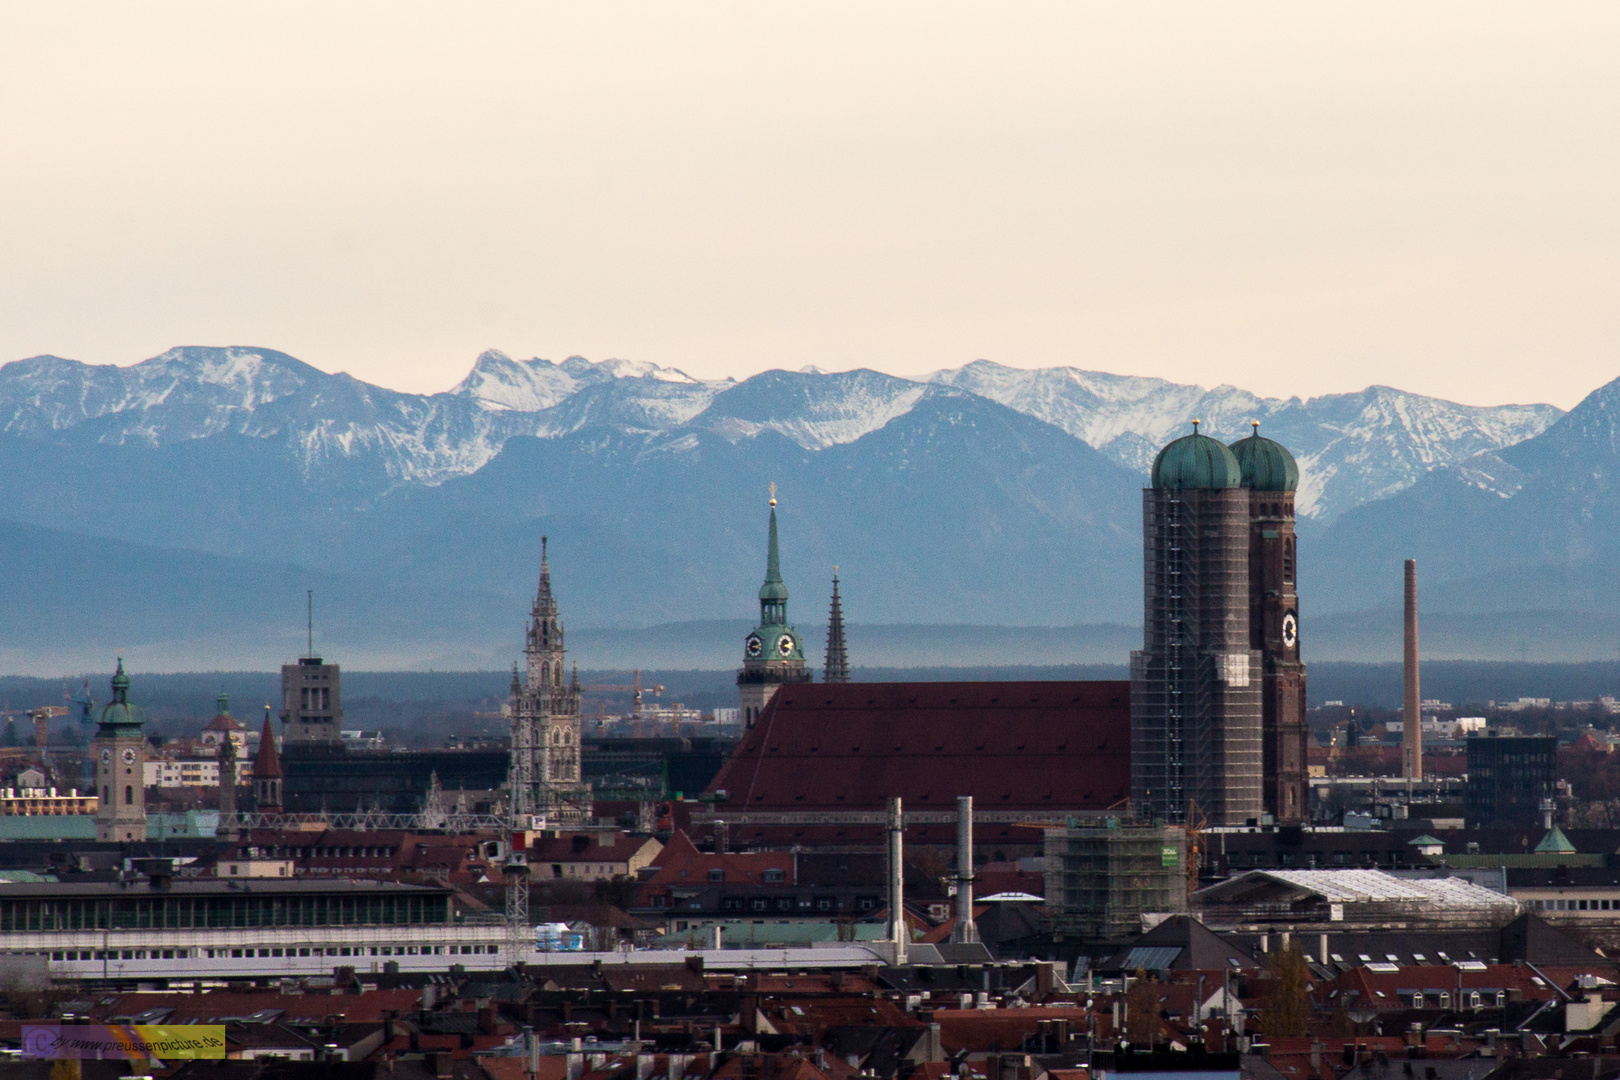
(1011, 745)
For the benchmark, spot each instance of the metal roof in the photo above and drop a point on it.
(1369, 887)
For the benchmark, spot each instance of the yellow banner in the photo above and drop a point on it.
(162, 1041)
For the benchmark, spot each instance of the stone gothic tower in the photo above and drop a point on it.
(119, 752)
(772, 653)
(545, 773)
(837, 668)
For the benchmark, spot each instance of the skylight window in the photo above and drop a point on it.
(1337, 959)
(1419, 957)
(1364, 958)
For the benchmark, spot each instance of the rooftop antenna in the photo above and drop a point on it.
(309, 599)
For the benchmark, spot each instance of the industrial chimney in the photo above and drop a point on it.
(898, 933)
(964, 930)
(1412, 702)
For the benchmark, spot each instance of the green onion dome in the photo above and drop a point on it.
(1196, 461)
(1267, 465)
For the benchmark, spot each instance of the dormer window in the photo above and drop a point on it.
(717, 875)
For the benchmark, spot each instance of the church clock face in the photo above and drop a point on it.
(129, 755)
(1290, 630)
(754, 646)
(784, 644)
(106, 757)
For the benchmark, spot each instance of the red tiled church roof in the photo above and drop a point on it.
(1027, 746)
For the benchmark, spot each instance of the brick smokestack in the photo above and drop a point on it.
(1412, 698)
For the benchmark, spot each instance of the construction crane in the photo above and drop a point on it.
(635, 689)
(42, 722)
(87, 721)
(520, 819)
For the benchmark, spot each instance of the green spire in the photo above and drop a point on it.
(120, 684)
(774, 588)
(773, 595)
(223, 702)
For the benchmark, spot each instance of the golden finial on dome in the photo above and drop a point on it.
(1256, 425)
(773, 494)
(1195, 425)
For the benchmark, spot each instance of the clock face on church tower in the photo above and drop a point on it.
(1290, 630)
(784, 644)
(753, 646)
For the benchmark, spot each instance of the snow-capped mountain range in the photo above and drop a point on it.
(1352, 448)
(181, 506)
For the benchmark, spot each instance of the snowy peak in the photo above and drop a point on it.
(208, 385)
(498, 382)
(815, 410)
(1351, 447)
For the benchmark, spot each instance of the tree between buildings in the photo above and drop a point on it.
(1142, 1020)
(1287, 1010)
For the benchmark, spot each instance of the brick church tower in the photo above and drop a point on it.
(1271, 476)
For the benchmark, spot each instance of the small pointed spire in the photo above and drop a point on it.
(267, 763)
(543, 601)
(837, 666)
(773, 594)
(120, 683)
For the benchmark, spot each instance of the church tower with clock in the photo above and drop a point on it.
(772, 652)
(1270, 475)
(120, 763)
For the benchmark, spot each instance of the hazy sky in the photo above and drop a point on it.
(1296, 198)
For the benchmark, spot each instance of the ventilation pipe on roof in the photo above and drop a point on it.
(897, 881)
(964, 930)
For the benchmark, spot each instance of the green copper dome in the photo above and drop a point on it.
(1267, 465)
(1196, 461)
(120, 715)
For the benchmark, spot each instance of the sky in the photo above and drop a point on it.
(1294, 198)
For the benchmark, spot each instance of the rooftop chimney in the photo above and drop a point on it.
(1411, 712)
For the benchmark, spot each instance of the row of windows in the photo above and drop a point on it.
(283, 851)
(274, 951)
(188, 913)
(1578, 905)
(783, 905)
(1476, 1000)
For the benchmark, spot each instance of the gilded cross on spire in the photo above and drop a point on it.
(773, 493)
